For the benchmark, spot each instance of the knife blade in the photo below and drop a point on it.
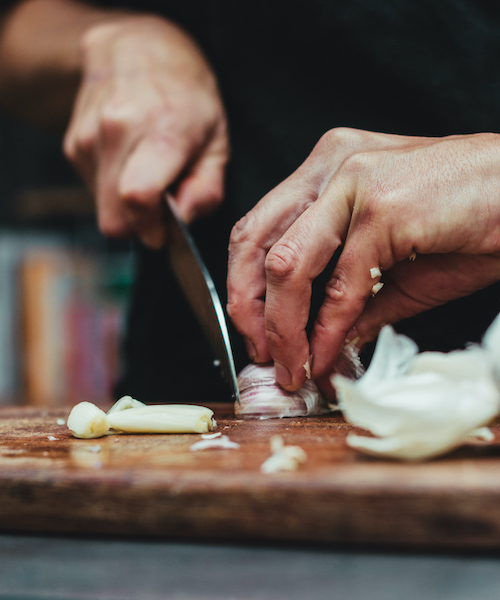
(198, 287)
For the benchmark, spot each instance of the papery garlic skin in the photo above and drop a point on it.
(419, 405)
(86, 420)
(262, 398)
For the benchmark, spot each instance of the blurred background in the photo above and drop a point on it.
(64, 288)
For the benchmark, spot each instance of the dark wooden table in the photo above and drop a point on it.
(153, 485)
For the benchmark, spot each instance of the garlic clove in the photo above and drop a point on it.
(163, 419)
(86, 420)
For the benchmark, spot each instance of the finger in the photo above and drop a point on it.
(202, 189)
(153, 165)
(292, 264)
(251, 239)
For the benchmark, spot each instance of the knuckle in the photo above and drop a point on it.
(276, 339)
(241, 231)
(117, 117)
(283, 260)
(338, 136)
(81, 139)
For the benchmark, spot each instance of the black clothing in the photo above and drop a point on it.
(290, 71)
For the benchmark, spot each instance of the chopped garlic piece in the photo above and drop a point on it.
(376, 288)
(222, 442)
(86, 420)
(96, 449)
(375, 272)
(307, 367)
(420, 405)
(210, 436)
(51, 438)
(124, 403)
(283, 458)
(61, 422)
(483, 433)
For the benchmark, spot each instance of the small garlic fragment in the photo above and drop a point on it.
(307, 367)
(375, 272)
(95, 449)
(61, 422)
(482, 433)
(86, 420)
(51, 438)
(283, 458)
(124, 403)
(376, 288)
(210, 436)
(222, 442)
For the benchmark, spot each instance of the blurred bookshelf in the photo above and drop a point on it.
(64, 293)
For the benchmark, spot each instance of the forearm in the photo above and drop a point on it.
(40, 57)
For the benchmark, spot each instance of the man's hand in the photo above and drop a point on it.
(383, 199)
(148, 116)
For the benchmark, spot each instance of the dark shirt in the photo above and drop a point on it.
(289, 72)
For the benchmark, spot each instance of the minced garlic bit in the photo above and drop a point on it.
(210, 436)
(376, 288)
(307, 367)
(222, 442)
(412, 256)
(375, 272)
(130, 416)
(283, 458)
(482, 433)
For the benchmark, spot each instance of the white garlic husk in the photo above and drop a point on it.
(420, 405)
(86, 420)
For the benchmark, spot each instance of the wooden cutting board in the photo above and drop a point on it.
(153, 485)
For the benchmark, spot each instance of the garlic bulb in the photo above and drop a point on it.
(86, 420)
(262, 398)
(420, 405)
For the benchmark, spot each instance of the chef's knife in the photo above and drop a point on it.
(195, 281)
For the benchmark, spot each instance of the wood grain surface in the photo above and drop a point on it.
(153, 485)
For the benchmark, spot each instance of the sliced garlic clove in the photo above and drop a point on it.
(86, 420)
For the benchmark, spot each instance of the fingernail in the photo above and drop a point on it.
(251, 350)
(283, 375)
